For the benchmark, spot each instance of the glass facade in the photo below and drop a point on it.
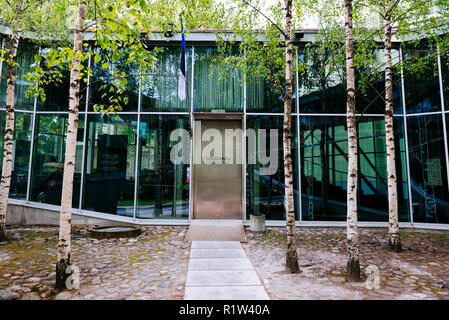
(48, 159)
(109, 171)
(163, 187)
(123, 165)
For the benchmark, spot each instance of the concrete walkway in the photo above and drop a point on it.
(216, 230)
(220, 270)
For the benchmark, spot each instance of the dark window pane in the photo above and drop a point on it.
(48, 159)
(445, 74)
(373, 184)
(428, 173)
(324, 167)
(324, 164)
(160, 88)
(57, 92)
(212, 92)
(110, 164)
(422, 88)
(21, 153)
(320, 89)
(163, 186)
(103, 86)
(265, 190)
(370, 92)
(25, 57)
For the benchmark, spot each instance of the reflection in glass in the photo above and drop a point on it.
(25, 58)
(428, 173)
(48, 159)
(103, 86)
(21, 153)
(211, 91)
(109, 165)
(373, 184)
(265, 193)
(324, 168)
(370, 96)
(163, 187)
(445, 75)
(422, 88)
(320, 88)
(160, 88)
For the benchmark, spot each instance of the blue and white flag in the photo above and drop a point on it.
(182, 82)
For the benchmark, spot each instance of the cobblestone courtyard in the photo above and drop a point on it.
(154, 265)
(421, 271)
(150, 266)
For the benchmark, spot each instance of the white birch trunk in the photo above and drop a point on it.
(64, 245)
(9, 133)
(353, 265)
(394, 242)
(292, 255)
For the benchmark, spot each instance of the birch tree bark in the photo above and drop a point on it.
(353, 265)
(64, 245)
(292, 255)
(394, 241)
(9, 133)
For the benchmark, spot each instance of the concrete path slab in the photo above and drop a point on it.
(217, 253)
(226, 293)
(220, 270)
(220, 264)
(222, 278)
(215, 245)
(216, 230)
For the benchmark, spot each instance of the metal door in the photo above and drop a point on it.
(217, 192)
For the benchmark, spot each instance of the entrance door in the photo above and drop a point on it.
(217, 192)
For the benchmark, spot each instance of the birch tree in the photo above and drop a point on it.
(292, 255)
(21, 17)
(413, 21)
(272, 60)
(353, 264)
(64, 244)
(9, 132)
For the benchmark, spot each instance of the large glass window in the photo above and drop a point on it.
(370, 91)
(214, 91)
(324, 147)
(324, 161)
(48, 159)
(163, 186)
(25, 57)
(21, 152)
(104, 87)
(265, 170)
(321, 89)
(373, 184)
(57, 92)
(428, 173)
(160, 88)
(110, 164)
(422, 88)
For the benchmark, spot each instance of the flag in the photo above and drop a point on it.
(182, 82)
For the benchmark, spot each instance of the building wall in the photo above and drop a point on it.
(123, 167)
